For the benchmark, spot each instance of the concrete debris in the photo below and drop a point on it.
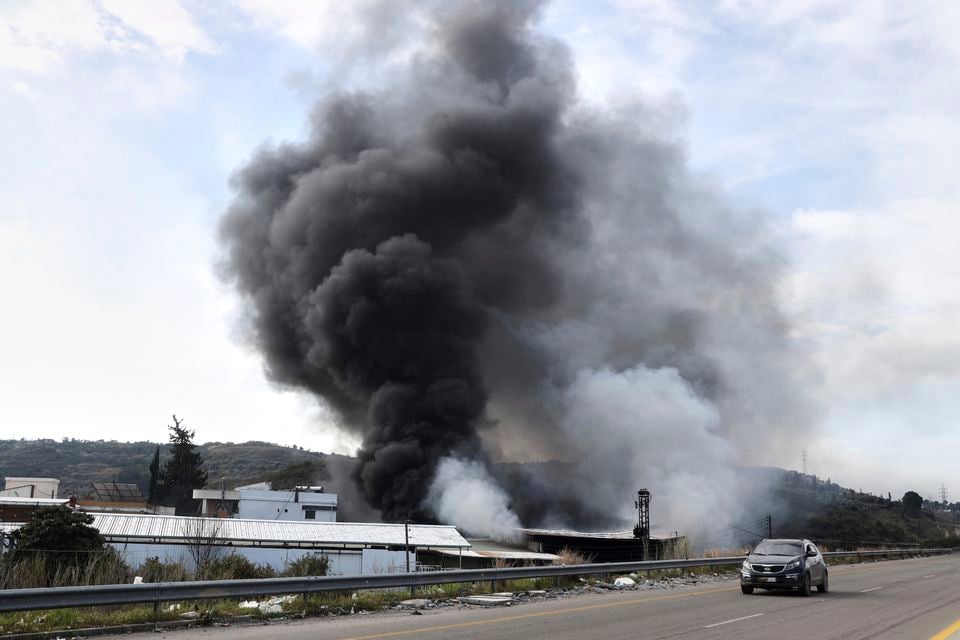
(624, 582)
(416, 603)
(189, 615)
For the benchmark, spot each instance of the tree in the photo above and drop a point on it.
(183, 471)
(154, 493)
(203, 535)
(912, 503)
(60, 533)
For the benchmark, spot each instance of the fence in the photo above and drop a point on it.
(101, 595)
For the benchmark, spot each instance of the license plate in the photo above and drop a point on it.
(769, 579)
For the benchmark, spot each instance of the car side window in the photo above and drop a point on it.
(812, 549)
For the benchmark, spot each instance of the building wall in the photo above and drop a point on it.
(345, 562)
(30, 487)
(287, 505)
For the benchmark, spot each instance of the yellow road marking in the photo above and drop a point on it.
(949, 631)
(539, 614)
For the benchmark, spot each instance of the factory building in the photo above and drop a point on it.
(352, 548)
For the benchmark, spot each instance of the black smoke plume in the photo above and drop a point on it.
(471, 264)
(374, 254)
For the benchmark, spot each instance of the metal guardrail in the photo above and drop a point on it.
(155, 593)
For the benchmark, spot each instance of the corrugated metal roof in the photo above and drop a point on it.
(17, 501)
(117, 527)
(602, 535)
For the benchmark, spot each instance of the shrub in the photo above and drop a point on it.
(313, 564)
(237, 567)
(155, 570)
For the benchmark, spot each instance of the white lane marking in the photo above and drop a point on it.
(717, 624)
(929, 576)
(869, 590)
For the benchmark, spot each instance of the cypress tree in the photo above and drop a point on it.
(155, 490)
(183, 471)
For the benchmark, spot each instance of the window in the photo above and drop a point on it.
(310, 515)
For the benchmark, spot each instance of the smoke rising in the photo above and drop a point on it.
(464, 492)
(473, 263)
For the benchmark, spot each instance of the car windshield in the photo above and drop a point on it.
(777, 549)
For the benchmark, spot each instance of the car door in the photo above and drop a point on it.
(814, 563)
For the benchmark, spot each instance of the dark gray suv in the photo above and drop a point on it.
(784, 564)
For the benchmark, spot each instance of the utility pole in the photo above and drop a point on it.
(804, 462)
(769, 526)
(943, 494)
(406, 546)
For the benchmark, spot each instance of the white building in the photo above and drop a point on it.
(296, 505)
(258, 502)
(22, 487)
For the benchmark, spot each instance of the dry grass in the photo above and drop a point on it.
(568, 556)
(39, 570)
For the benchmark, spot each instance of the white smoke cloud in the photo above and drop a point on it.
(648, 427)
(464, 494)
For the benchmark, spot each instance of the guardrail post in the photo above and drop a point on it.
(156, 608)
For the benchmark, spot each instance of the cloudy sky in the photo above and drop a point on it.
(122, 121)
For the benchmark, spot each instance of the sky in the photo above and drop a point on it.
(123, 120)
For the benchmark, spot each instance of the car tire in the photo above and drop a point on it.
(745, 589)
(824, 586)
(805, 587)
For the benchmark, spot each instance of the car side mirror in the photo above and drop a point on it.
(810, 553)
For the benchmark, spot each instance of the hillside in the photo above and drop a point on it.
(77, 463)
(806, 506)
(801, 506)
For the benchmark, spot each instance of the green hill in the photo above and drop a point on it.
(808, 507)
(77, 463)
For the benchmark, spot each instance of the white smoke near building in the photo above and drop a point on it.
(463, 493)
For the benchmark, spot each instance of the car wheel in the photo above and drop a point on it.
(745, 589)
(805, 587)
(825, 585)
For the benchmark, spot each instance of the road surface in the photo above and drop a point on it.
(915, 599)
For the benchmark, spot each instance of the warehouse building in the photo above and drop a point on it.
(352, 548)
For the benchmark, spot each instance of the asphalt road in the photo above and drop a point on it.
(915, 599)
